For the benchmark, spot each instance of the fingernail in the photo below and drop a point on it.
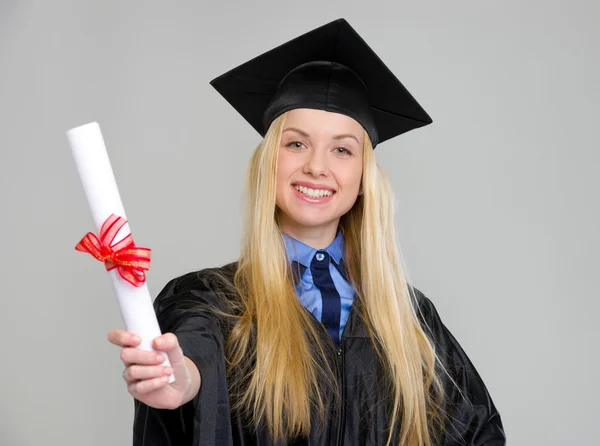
(136, 339)
(160, 358)
(160, 342)
(168, 370)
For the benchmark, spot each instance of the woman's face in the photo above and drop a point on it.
(319, 171)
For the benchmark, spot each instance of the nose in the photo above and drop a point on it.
(316, 163)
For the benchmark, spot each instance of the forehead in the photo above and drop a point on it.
(321, 122)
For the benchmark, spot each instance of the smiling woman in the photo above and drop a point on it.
(314, 337)
(319, 173)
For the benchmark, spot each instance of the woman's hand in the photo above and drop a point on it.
(147, 380)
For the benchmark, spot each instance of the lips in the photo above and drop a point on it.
(319, 195)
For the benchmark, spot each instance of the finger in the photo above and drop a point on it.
(123, 338)
(169, 343)
(138, 373)
(148, 385)
(131, 356)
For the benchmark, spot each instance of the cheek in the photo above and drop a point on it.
(284, 170)
(280, 168)
(287, 165)
(352, 178)
(283, 166)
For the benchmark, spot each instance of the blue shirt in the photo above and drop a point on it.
(308, 293)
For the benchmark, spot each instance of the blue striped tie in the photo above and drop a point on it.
(332, 304)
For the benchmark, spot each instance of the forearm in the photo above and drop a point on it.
(194, 374)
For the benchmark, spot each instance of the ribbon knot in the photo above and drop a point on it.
(131, 261)
(107, 253)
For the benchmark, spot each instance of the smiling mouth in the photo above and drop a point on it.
(314, 193)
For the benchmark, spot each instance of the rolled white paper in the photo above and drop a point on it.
(104, 199)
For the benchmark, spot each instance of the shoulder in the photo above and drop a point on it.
(424, 307)
(206, 280)
(447, 348)
(209, 290)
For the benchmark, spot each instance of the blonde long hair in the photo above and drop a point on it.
(276, 369)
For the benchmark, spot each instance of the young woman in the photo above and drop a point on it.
(313, 337)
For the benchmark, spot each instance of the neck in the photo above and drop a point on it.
(315, 237)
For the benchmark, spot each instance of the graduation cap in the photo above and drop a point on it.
(330, 68)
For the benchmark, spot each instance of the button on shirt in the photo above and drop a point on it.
(308, 293)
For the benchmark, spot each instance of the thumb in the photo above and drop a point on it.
(169, 344)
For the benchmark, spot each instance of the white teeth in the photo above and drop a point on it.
(314, 193)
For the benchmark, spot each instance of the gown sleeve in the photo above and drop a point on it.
(183, 308)
(470, 417)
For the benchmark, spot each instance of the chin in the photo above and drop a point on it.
(307, 221)
(306, 216)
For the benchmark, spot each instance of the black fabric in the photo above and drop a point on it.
(329, 68)
(323, 85)
(361, 418)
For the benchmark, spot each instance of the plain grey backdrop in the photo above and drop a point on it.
(498, 205)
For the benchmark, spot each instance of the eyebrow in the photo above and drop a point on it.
(306, 135)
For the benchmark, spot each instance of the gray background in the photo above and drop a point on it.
(497, 200)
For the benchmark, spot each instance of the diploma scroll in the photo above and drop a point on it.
(97, 178)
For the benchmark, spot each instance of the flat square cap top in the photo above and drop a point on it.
(329, 68)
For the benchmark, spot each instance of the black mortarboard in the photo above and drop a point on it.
(329, 68)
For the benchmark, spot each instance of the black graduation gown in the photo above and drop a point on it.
(362, 417)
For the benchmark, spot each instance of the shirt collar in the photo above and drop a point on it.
(303, 254)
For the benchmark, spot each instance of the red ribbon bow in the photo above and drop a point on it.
(131, 261)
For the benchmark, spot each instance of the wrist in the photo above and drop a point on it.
(193, 386)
